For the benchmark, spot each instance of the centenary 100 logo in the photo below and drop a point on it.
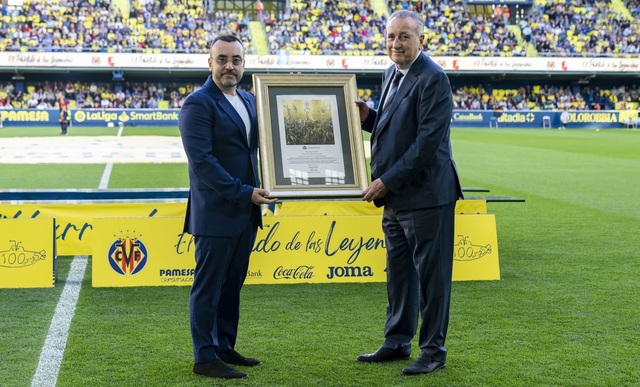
(127, 254)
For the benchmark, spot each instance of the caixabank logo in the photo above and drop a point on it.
(128, 254)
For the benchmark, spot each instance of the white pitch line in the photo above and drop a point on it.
(106, 175)
(56, 341)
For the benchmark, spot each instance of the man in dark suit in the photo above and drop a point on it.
(415, 178)
(219, 132)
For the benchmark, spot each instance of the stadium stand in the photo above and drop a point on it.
(295, 27)
(142, 95)
(351, 27)
(176, 26)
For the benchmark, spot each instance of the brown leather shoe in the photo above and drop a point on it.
(217, 369)
(232, 357)
(386, 354)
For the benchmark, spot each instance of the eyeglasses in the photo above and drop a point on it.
(223, 60)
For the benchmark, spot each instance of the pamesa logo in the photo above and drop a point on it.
(127, 254)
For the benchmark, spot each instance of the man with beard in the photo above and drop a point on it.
(218, 127)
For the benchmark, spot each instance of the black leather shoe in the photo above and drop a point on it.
(423, 365)
(386, 354)
(217, 369)
(232, 357)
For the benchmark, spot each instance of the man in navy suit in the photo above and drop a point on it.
(219, 132)
(415, 178)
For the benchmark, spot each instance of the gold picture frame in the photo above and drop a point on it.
(310, 135)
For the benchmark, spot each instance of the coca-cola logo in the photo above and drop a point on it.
(297, 273)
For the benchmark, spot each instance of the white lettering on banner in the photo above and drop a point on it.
(476, 117)
(162, 60)
(101, 61)
(154, 116)
(517, 117)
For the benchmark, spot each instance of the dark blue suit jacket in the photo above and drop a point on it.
(414, 158)
(223, 164)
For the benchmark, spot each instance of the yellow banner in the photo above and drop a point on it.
(318, 249)
(27, 253)
(289, 249)
(74, 228)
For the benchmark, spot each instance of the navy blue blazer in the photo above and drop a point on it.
(414, 158)
(223, 164)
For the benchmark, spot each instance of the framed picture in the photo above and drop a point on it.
(310, 138)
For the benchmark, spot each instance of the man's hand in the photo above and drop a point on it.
(259, 196)
(363, 109)
(376, 190)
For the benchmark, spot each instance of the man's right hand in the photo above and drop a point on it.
(259, 196)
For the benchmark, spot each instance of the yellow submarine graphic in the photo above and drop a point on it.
(464, 250)
(17, 257)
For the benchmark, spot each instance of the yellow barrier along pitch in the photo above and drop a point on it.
(74, 229)
(310, 248)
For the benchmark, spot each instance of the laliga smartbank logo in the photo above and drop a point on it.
(464, 250)
(100, 115)
(17, 257)
(127, 254)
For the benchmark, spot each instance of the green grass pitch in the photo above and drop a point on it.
(563, 314)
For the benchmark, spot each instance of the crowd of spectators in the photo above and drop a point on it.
(325, 27)
(547, 97)
(153, 95)
(182, 26)
(548, 27)
(96, 95)
(583, 27)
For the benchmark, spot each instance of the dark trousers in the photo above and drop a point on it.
(419, 269)
(214, 303)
